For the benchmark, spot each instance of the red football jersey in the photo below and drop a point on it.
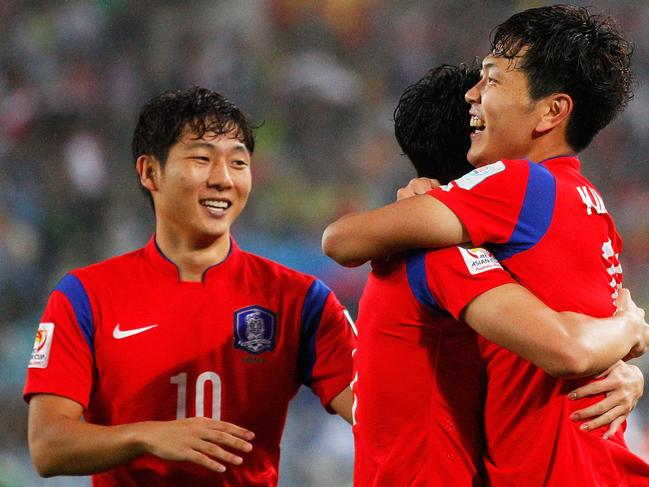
(549, 227)
(130, 342)
(418, 376)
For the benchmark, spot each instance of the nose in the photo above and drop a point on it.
(473, 95)
(219, 176)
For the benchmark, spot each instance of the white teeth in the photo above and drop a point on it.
(219, 205)
(476, 122)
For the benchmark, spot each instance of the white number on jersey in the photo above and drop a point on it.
(202, 382)
(614, 268)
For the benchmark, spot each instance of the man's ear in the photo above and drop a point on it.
(556, 111)
(148, 168)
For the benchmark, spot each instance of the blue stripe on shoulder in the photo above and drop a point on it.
(73, 289)
(314, 303)
(416, 271)
(535, 216)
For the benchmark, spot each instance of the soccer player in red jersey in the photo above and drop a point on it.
(182, 356)
(419, 359)
(555, 77)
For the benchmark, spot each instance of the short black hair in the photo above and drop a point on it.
(431, 122)
(164, 119)
(568, 49)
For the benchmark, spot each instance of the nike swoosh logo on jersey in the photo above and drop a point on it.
(119, 334)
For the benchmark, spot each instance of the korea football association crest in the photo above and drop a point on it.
(255, 329)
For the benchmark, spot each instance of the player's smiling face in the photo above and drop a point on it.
(503, 115)
(203, 186)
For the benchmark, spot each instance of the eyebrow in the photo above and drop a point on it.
(239, 147)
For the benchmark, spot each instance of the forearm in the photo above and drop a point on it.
(417, 222)
(602, 341)
(562, 344)
(72, 447)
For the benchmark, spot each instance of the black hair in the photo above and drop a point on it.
(431, 122)
(164, 119)
(568, 49)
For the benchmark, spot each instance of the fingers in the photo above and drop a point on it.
(404, 193)
(416, 187)
(615, 425)
(590, 389)
(624, 301)
(205, 461)
(594, 410)
(211, 451)
(217, 453)
(603, 419)
(227, 440)
(205, 442)
(232, 429)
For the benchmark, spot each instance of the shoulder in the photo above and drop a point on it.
(499, 170)
(109, 269)
(281, 274)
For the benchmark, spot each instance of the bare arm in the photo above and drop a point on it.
(61, 444)
(342, 404)
(563, 344)
(418, 222)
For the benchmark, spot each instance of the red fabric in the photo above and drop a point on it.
(139, 377)
(419, 379)
(530, 438)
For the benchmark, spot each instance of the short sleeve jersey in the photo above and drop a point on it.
(549, 227)
(419, 379)
(130, 342)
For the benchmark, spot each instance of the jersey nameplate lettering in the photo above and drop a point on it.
(592, 200)
(42, 345)
(475, 177)
(479, 260)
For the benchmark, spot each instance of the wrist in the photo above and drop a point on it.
(136, 438)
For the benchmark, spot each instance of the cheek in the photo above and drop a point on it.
(244, 185)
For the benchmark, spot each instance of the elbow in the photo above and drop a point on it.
(336, 246)
(43, 466)
(570, 362)
(43, 458)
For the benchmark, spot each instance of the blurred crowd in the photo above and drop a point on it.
(319, 78)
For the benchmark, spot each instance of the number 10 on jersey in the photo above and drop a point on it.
(204, 380)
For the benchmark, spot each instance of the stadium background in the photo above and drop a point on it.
(322, 77)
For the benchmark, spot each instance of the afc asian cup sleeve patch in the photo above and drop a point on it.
(255, 329)
(479, 260)
(42, 345)
(475, 177)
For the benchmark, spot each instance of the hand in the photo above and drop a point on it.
(197, 440)
(626, 305)
(623, 385)
(416, 187)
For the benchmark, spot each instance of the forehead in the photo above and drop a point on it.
(231, 140)
(501, 63)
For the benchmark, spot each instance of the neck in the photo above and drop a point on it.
(549, 145)
(192, 257)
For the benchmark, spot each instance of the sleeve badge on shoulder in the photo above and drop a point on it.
(479, 260)
(42, 345)
(475, 177)
(255, 329)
